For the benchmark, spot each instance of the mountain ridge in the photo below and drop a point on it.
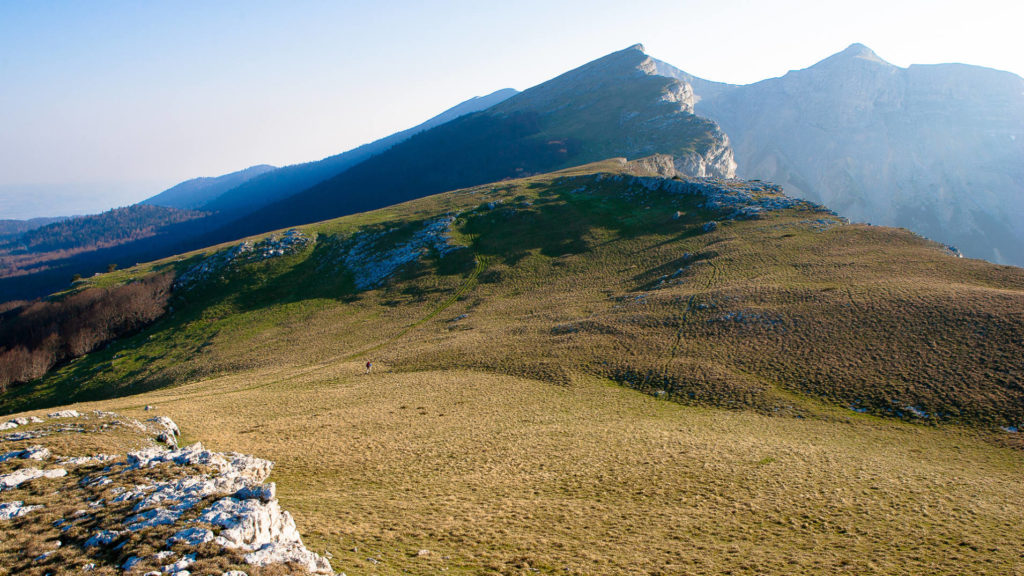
(613, 106)
(936, 148)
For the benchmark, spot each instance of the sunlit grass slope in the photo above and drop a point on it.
(583, 273)
(495, 474)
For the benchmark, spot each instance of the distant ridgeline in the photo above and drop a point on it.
(938, 149)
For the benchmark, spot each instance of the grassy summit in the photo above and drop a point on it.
(529, 337)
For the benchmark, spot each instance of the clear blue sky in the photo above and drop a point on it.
(104, 103)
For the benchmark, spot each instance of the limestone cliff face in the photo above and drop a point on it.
(937, 149)
(716, 161)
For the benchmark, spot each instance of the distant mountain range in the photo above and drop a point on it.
(938, 149)
(198, 192)
(278, 184)
(614, 106)
(171, 222)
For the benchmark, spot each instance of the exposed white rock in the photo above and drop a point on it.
(234, 573)
(15, 509)
(166, 423)
(153, 517)
(16, 478)
(251, 524)
(30, 453)
(180, 565)
(371, 265)
(64, 414)
(283, 552)
(8, 425)
(273, 246)
(265, 492)
(246, 515)
(229, 464)
(83, 460)
(184, 493)
(27, 435)
(191, 537)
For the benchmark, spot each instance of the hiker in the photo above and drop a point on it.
(368, 366)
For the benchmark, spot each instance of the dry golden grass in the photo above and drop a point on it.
(495, 474)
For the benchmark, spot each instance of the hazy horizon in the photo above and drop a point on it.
(111, 103)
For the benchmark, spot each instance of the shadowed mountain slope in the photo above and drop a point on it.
(197, 192)
(284, 182)
(614, 106)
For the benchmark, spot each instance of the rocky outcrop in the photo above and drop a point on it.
(374, 256)
(204, 496)
(30, 453)
(247, 252)
(735, 199)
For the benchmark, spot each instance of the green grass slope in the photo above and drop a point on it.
(596, 272)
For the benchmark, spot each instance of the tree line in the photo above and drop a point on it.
(36, 336)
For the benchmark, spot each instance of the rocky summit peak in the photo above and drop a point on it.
(857, 55)
(854, 53)
(638, 47)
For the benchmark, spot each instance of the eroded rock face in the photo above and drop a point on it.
(716, 162)
(239, 511)
(372, 259)
(251, 524)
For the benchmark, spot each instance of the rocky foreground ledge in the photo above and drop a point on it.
(151, 511)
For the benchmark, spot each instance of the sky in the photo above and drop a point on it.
(106, 103)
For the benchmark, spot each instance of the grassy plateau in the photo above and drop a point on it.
(579, 375)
